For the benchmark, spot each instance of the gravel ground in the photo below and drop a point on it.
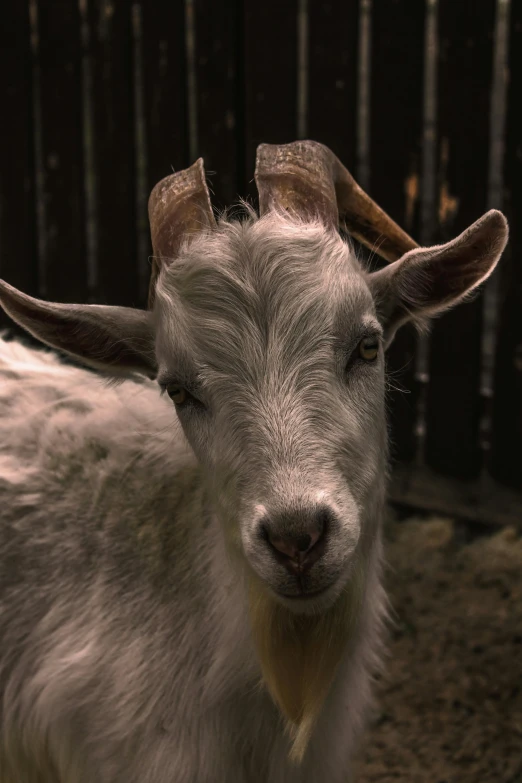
(450, 701)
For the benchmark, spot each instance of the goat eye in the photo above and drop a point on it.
(177, 394)
(368, 349)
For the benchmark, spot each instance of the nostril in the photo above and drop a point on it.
(263, 532)
(303, 543)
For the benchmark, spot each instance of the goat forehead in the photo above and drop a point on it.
(258, 259)
(264, 284)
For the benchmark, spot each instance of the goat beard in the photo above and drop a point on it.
(300, 654)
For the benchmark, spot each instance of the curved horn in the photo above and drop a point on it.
(178, 205)
(306, 178)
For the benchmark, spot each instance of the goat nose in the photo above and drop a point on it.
(294, 546)
(299, 549)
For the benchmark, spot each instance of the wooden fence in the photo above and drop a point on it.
(102, 98)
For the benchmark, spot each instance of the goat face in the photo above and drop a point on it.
(269, 337)
(268, 342)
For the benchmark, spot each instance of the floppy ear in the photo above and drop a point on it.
(427, 281)
(117, 340)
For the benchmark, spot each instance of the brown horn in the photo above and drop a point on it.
(178, 205)
(306, 178)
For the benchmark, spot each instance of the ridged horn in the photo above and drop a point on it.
(179, 205)
(306, 178)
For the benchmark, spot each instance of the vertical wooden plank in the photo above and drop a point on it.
(217, 41)
(161, 79)
(164, 88)
(64, 269)
(111, 97)
(270, 73)
(453, 407)
(332, 69)
(506, 447)
(17, 216)
(396, 117)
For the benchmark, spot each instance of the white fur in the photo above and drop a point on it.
(128, 536)
(111, 684)
(125, 647)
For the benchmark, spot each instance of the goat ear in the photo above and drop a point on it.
(427, 281)
(117, 340)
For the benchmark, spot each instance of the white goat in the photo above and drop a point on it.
(197, 598)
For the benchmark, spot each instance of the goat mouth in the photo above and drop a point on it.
(303, 593)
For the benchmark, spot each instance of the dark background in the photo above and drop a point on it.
(420, 100)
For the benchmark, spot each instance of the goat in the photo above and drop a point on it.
(191, 588)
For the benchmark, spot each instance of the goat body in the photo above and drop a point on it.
(126, 653)
(195, 595)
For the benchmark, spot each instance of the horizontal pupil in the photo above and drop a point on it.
(175, 391)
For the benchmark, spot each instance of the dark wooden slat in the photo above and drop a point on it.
(395, 158)
(164, 91)
(485, 503)
(164, 88)
(110, 50)
(60, 93)
(465, 70)
(270, 73)
(506, 452)
(217, 42)
(332, 77)
(18, 263)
